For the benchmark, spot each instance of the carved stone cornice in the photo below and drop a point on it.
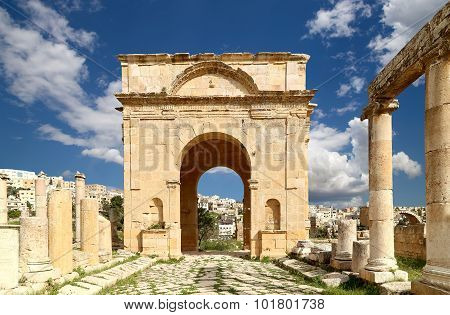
(379, 106)
(263, 97)
(226, 57)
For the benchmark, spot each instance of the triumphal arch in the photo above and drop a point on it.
(185, 114)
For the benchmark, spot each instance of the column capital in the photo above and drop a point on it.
(79, 175)
(379, 106)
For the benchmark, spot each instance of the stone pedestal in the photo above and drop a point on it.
(40, 195)
(60, 230)
(104, 239)
(3, 202)
(34, 260)
(381, 210)
(89, 229)
(80, 191)
(360, 255)
(436, 274)
(344, 249)
(9, 256)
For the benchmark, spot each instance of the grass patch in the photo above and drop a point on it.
(131, 281)
(221, 245)
(412, 266)
(170, 261)
(53, 288)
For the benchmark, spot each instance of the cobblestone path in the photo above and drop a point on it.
(213, 274)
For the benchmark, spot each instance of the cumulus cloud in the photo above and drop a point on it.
(403, 19)
(401, 162)
(318, 113)
(338, 21)
(355, 84)
(338, 164)
(350, 107)
(45, 69)
(68, 174)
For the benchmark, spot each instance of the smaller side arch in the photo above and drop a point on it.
(156, 211)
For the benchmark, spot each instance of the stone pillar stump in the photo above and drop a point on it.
(9, 256)
(344, 248)
(89, 229)
(105, 239)
(60, 230)
(360, 255)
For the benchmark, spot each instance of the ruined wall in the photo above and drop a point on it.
(410, 241)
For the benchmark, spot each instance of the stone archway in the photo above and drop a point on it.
(201, 154)
(255, 106)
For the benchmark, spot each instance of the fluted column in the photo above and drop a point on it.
(381, 208)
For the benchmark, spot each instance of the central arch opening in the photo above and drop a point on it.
(203, 153)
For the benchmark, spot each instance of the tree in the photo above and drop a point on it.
(207, 225)
(13, 191)
(113, 211)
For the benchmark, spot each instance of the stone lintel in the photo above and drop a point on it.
(226, 57)
(379, 106)
(431, 42)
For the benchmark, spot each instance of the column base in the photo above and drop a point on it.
(341, 264)
(422, 288)
(383, 276)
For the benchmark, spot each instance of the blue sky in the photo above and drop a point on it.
(59, 71)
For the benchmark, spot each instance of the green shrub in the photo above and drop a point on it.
(14, 214)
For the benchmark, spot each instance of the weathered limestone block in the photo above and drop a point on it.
(9, 256)
(105, 241)
(344, 249)
(3, 202)
(34, 259)
(360, 255)
(80, 191)
(60, 230)
(89, 229)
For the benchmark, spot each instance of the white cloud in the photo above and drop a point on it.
(337, 21)
(356, 85)
(68, 174)
(37, 69)
(112, 155)
(318, 113)
(221, 170)
(338, 164)
(401, 162)
(403, 18)
(350, 107)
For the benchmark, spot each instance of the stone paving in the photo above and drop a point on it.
(213, 274)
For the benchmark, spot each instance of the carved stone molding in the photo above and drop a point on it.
(253, 184)
(172, 183)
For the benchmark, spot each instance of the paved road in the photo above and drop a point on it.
(213, 274)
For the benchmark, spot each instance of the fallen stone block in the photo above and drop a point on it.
(334, 279)
(396, 288)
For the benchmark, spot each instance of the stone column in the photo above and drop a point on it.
(173, 187)
(60, 230)
(381, 263)
(9, 256)
(40, 195)
(104, 239)
(436, 273)
(80, 192)
(89, 229)
(344, 249)
(34, 259)
(3, 202)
